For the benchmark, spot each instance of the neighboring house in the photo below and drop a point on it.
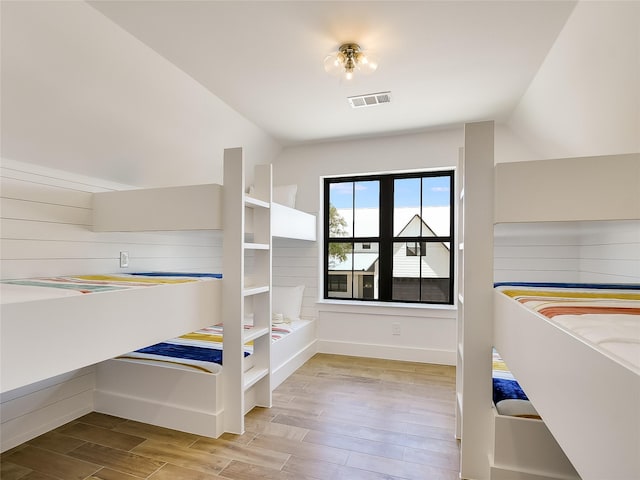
(357, 276)
(413, 261)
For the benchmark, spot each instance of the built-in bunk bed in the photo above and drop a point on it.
(129, 312)
(587, 396)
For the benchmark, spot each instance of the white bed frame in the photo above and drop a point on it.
(120, 320)
(83, 330)
(590, 402)
(189, 401)
(572, 385)
(524, 449)
(172, 208)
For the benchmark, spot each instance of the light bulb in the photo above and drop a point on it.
(333, 65)
(367, 63)
(348, 75)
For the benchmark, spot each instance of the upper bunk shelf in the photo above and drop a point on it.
(570, 189)
(192, 207)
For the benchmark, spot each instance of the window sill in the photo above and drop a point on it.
(386, 308)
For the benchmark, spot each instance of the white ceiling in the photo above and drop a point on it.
(445, 62)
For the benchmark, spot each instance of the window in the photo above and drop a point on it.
(337, 283)
(415, 249)
(389, 237)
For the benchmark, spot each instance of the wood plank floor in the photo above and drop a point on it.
(336, 418)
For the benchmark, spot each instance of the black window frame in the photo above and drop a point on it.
(386, 240)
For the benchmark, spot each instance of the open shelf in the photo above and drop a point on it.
(253, 376)
(254, 333)
(256, 246)
(254, 202)
(255, 290)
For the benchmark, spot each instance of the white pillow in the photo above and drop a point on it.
(287, 301)
(285, 195)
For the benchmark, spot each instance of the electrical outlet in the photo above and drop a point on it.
(395, 328)
(124, 259)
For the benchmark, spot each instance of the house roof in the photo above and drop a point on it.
(367, 219)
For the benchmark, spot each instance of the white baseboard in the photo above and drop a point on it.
(164, 415)
(283, 372)
(389, 352)
(499, 473)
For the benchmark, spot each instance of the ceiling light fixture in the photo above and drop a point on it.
(348, 59)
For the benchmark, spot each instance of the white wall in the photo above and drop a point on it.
(585, 98)
(426, 334)
(303, 165)
(45, 230)
(81, 94)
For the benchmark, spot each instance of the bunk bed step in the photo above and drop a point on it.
(255, 203)
(248, 291)
(253, 376)
(256, 246)
(254, 333)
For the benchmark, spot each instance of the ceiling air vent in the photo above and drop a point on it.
(370, 99)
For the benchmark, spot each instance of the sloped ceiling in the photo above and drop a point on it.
(150, 92)
(444, 62)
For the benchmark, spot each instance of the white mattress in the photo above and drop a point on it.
(22, 293)
(46, 288)
(609, 320)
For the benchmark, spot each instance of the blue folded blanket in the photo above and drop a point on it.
(178, 274)
(189, 352)
(504, 389)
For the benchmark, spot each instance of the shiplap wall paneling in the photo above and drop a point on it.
(295, 262)
(610, 252)
(35, 409)
(536, 252)
(46, 230)
(594, 251)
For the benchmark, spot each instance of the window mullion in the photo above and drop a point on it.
(386, 238)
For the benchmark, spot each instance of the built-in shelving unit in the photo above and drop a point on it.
(247, 290)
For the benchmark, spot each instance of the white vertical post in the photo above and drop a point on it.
(233, 283)
(478, 300)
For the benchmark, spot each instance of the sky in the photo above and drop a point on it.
(406, 193)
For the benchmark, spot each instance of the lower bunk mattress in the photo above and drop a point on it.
(508, 396)
(200, 350)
